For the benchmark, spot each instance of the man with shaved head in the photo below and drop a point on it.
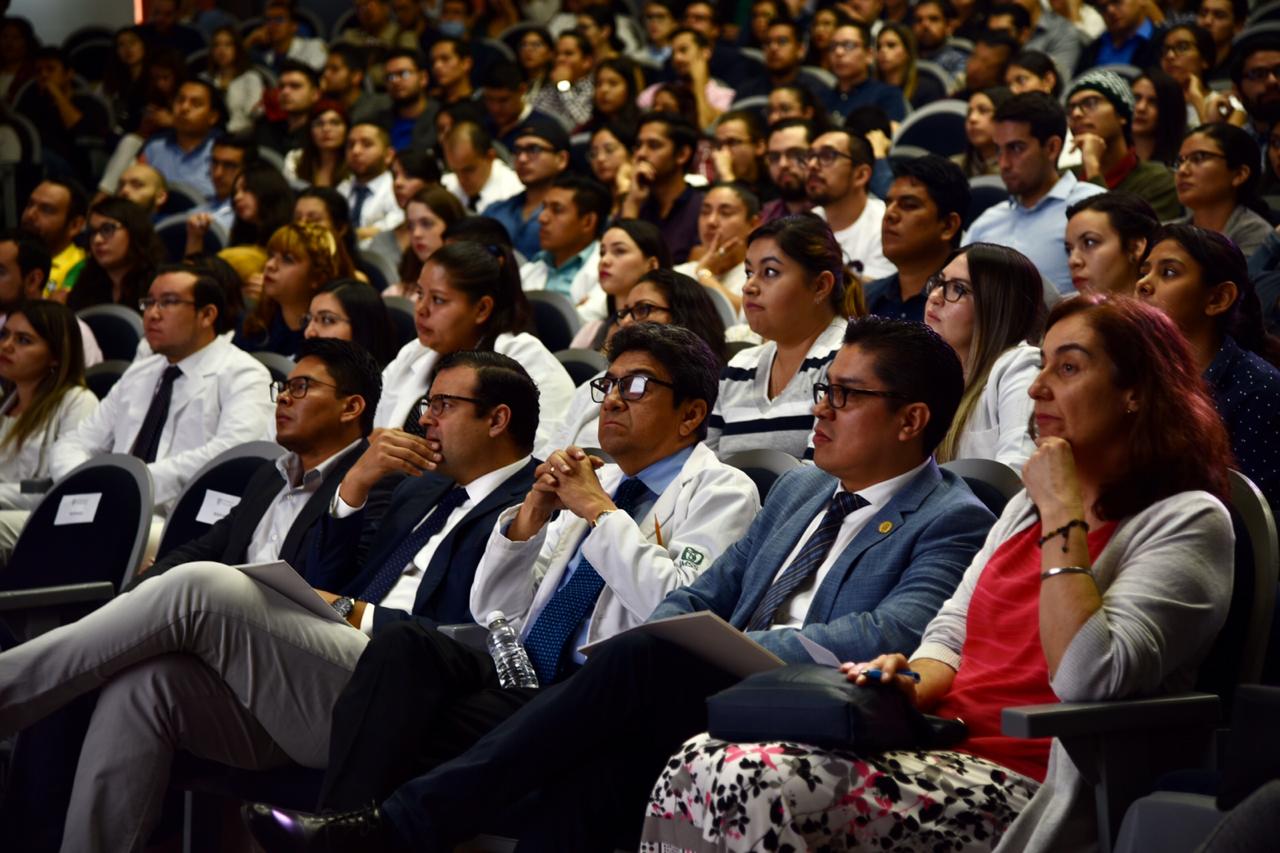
(144, 186)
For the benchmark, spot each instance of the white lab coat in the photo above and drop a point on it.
(997, 426)
(404, 382)
(707, 508)
(30, 460)
(220, 401)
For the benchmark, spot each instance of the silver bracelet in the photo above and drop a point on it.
(1065, 570)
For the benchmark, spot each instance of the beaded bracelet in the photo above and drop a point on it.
(1063, 531)
(1064, 570)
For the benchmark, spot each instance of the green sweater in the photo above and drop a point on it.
(1152, 182)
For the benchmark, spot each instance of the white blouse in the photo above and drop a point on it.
(997, 426)
(30, 460)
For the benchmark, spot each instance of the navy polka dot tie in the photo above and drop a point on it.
(548, 641)
(811, 556)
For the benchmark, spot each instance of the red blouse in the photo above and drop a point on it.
(1002, 663)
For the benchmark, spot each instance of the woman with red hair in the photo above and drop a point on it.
(1105, 579)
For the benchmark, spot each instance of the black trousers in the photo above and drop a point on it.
(416, 699)
(587, 751)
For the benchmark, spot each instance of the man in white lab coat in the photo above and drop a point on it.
(626, 535)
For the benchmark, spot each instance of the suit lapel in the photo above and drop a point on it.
(259, 494)
(317, 505)
(775, 550)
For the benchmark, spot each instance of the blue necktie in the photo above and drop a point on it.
(359, 195)
(811, 555)
(394, 567)
(548, 641)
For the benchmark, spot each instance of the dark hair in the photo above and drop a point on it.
(367, 313)
(997, 38)
(500, 381)
(485, 230)
(677, 129)
(948, 10)
(240, 141)
(691, 306)
(1176, 439)
(32, 254)
(913, 360)
(1240, 150)
(339, 214)
(698, 38)
(864, 30)
(1201, 36)
(1239, 9)
(275, 204)
(1246, 47)
(503, 75)
(355, 57)
(585, 47)
(115, 76)
(604, 17)
(589, 196)
(807, 240)
(1221, 260)
(444, 205)
(94, 286)
(78, 204)
(460, 47)
(694, 367)
(756, 131)
(1171, 115)
(413, 54)
(862, 120)
(682, 93)
(207, 290)
(630, 74)
(419, 163)
(293, 66)
(943, 181)
(648, 240)
(811, 128)
(477, 271)
(785, 20)
(353, 369)
(310, 157)
(57, 327)
(216, 102)
(1039, 64)
(241, 63)
(1042, 112)
(226, 277)
(624, 133)
(1130, 216)
(1021, 18)
(749, 199)
(51, 51)
(517, 34)
(808, 100)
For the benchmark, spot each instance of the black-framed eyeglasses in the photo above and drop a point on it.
(799, 156)
(640, 311)
(323, 319)
(953, 289)
(531, 149)
(298, 386)
(631, 387)
(146, 303)
(1260, 74)
(106, 230)
(1197, 158)
(438, 404)
(1088, 104)
(836, 396)
(826, 157)
(1177, 48)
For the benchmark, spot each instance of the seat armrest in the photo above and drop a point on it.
(471, 635)
(1072, 719)
(55, 596)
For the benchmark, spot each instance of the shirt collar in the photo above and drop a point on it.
(657, 476)
(486, 484)
(290, 467)
(574, 262)
(191, 364)
(881, 493)
(1222, 361)
(1121, 170)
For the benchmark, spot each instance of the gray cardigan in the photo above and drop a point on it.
(1165, 591)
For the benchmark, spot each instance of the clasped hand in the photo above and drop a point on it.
(567, 480)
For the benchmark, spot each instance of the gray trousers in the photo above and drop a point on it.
(202, 659)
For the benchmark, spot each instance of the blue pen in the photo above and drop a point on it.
(877, 675)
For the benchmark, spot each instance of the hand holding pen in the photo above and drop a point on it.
(886, 669)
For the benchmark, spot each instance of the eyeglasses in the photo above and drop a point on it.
(1259, 75)
(606, 150)
(164, 303)
(531, 150)
(297, 387)
(641, 311)
(631, 387)
(845, 46)
(1088, 104)
(826, 157)
(323, 319)
(400, 75)
(953, 289)
(836, 396)
(1177, 48)
(798, 156)
(106, 230)
(1197, 158)
(721, 144)
(438, 404)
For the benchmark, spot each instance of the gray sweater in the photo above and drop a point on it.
(1165, 578)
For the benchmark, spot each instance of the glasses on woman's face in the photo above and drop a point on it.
(106, 230)
(324, 320)
(631, 387)
(837, 396)
(641, 311)
(297, 387)
(439, 404)
(1197, 158)
(953, 289)
(1177, 48)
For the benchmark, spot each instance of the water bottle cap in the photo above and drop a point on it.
(494, 616)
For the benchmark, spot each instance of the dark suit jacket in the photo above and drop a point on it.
(227, 541)
(445, 593)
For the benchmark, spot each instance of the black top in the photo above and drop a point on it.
(1246, 390)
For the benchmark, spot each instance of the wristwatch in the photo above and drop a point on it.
(343, 606)
(596, 521)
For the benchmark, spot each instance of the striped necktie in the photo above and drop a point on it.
(409, 547)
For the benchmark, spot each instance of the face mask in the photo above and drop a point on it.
(455, 29)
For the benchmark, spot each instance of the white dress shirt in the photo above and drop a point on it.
(220, 400)
(30, 460)
(502, 184)
(405, 591)
(792, 612)
(380, 209)
(861, 241)
(282, 512)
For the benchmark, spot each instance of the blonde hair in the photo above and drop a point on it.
(328, 258)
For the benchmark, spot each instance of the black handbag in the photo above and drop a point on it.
(810, 703)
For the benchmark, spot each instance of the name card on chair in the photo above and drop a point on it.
(216, 506)
(77, 509)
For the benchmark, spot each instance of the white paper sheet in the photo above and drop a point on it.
(77, 509)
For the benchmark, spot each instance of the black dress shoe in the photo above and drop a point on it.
(284, 831)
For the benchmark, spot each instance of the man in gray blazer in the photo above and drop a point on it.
(856, 554)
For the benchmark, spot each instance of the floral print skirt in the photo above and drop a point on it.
(715, 795)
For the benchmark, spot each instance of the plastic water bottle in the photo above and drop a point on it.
(509, 656)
